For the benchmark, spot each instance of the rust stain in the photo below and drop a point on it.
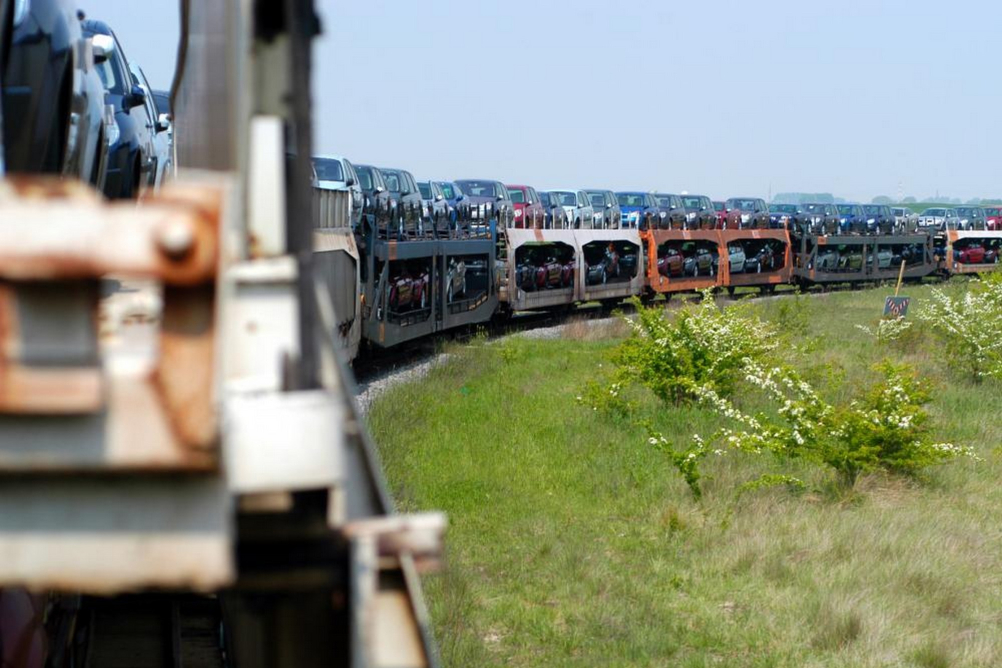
(50, 391)
(183, 378)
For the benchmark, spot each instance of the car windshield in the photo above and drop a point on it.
(328, 169)
(993, 211)
(517, 196)
(719, 206)
(565, 197)
(898, 212)
(742, 204)
(597, 199)
(847, 209)
(425, 189)
(693, 203)
(814, 208)
(392, 179)
(663, 200)
(934, 212)
(783, 208)
(478, 188)
(872, 209)
(630, 199)
(364, 177)
(447, 190)
(544, 198)
(109, 76)
(966, 211)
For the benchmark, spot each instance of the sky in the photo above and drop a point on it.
(726, 98)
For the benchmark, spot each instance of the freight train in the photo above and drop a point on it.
(387, 289)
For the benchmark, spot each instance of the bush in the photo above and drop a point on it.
(701, 346)
(887, 429)
(970, 327)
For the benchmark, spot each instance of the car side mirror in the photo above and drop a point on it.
(500, 198)
(103, 46)
(163, 123)
(136, 97)
(438, 198)
(380, 189)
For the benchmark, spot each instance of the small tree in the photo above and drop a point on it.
(969, 327)
(701, 346)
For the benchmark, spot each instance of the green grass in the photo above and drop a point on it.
(572, 542)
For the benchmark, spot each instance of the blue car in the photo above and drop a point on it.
(851, 219)
(640, 210)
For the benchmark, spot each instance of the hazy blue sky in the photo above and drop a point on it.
(718, 97)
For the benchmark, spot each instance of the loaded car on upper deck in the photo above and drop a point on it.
(577, 206)
(640, 211)
(375, 197)
(879, 218)
(405, 202)
(971, 218)
(528, 210)
(607, 214)
(699, 212)
(334, 172)
(820, 218)
(747, 212)
(486, 200)
(555, 216)
(434, 208)
(671, 210)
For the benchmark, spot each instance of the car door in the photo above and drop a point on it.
(586, 210)
(158, 138)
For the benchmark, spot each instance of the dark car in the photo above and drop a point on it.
(971, 218)
(820, 217)
(699, 212)
(672, 211)
(879, 218)
(555, 216)
(487, 200)
(375, 198)
(763, 260)
(53, 99)
(851, 219)
(453, 196)
(157, 124)
(698, 260)
(132, 154)
(434, 208)
(640, 210)
(785, 217)
(405, 202)
(529, 211)
(606, 268)
(608, 215)
(747, 212)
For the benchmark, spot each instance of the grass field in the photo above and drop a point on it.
(572, 542)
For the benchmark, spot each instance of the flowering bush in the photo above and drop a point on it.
(686, 460)
(887, 329)
(887, 429)
(701, 346)
(970, 327)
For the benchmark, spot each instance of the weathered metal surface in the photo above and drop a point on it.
(337, 265)
(654, 239)
(173, 237)
(100, 536)
(331, 209)
(612, 290)
(774, 277)
(286, 441)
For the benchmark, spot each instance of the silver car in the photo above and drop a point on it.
(577, 205)
(607, 214)
(905, 220)
(334, 172)
(938, 218)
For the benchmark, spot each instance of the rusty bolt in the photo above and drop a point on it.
(176, 239)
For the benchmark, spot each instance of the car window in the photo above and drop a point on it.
(564, 197)
(477, 188)
(425, 189)
(597, 199)
(365, 178)
(391, 179)
(409, 181)
(352, 176)
(517, 196)
(447, 190)
(328, 170)
(533, 195)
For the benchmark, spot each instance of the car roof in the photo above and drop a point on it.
(327, 156)
(96, 26)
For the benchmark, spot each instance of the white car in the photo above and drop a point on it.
(904, 219)
(577, 205)
(939, 218)
(333, 172)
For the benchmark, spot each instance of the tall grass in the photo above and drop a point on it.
(574, 543)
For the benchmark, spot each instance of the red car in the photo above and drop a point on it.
(720, 208)
(552, 274)
(993, 218)
(973, 254)
(529, 210)
(409, 292)
(671, 263)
